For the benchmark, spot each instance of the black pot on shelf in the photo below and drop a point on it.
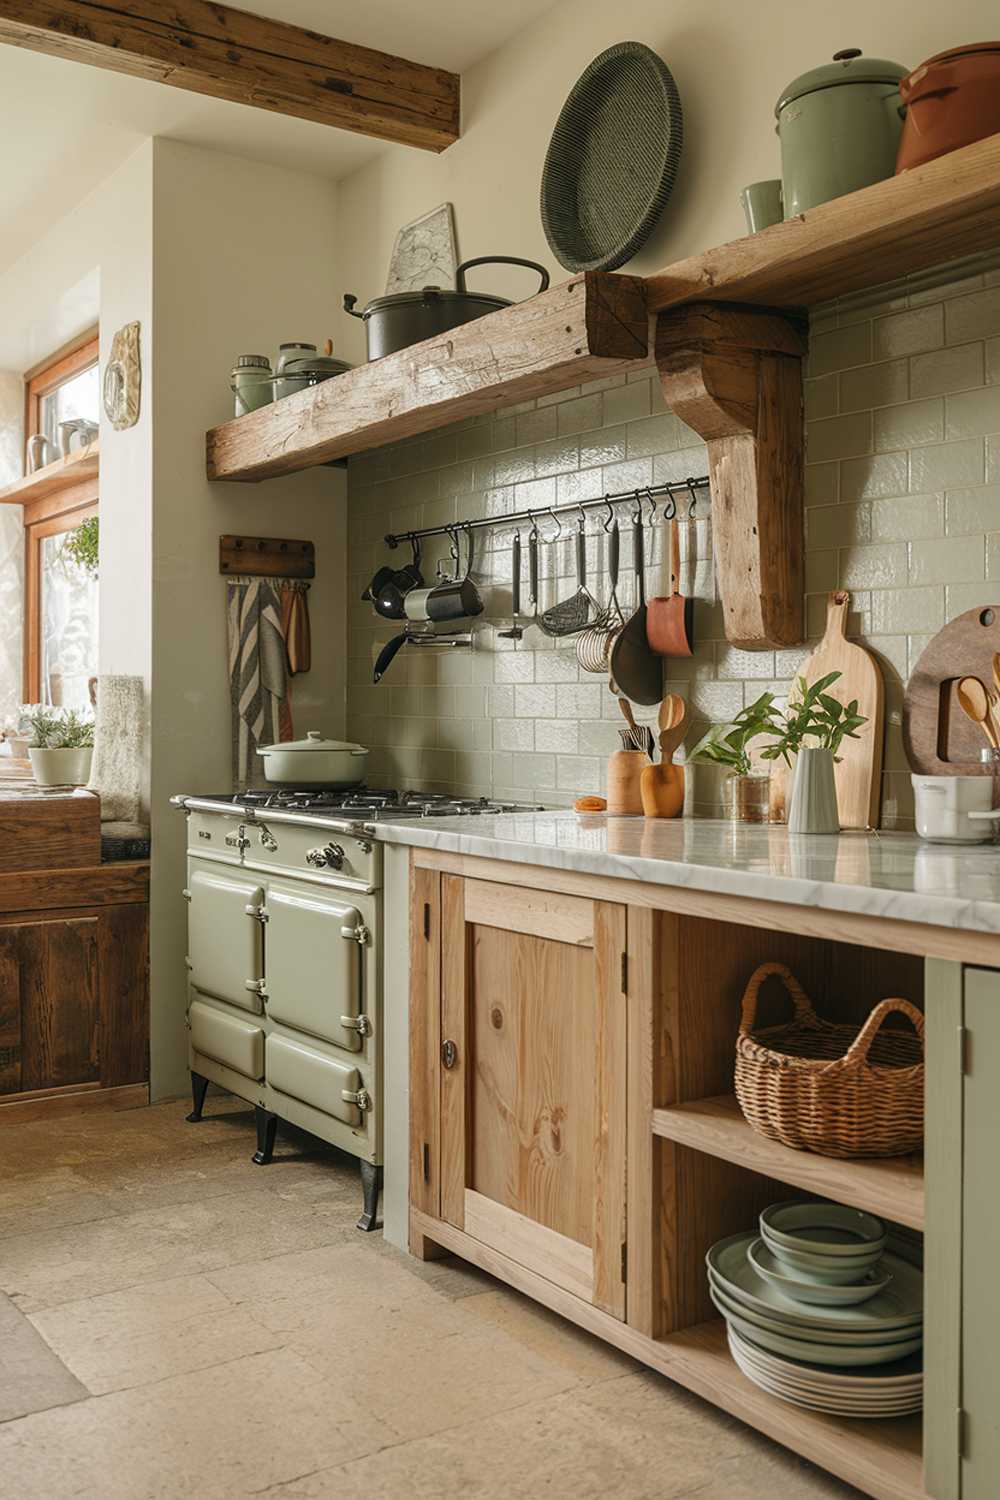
(405, 318)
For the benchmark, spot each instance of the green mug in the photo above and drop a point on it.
(762, 204)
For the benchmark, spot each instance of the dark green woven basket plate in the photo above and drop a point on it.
(612, 159)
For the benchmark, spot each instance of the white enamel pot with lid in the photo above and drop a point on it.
(315, 762)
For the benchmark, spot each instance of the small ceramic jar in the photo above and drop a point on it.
(251, 382)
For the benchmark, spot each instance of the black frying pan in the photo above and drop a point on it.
(636, 672)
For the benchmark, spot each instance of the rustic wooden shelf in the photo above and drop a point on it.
(82, 464)
(884, 1458)
(892, 1187)
(946, 209)
(593, 325)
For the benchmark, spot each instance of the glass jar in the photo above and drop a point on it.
(748, 798)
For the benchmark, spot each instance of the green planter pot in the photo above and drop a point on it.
(839, 128)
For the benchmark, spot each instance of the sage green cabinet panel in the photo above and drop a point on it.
(943, 1102)
(314, 965)
(980, 1467)
(224, 938)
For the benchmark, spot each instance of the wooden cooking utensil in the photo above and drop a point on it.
(662, 786)
(975, 703)
(859, 770)
(670, 617)
(996, 671)
(938, 738)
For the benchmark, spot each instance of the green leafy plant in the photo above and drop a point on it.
(728, 744)
(816, 715)
(81, 546)
(49, 728)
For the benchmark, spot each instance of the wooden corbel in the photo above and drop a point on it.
(734, 375)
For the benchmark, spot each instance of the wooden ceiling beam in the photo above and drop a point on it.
(229, 54)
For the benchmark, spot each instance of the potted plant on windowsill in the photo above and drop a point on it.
(747, 789)
(814, 714)
(60, 744)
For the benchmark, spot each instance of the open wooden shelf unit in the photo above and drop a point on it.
(892, 1187)
(595, 324)
(63, 474)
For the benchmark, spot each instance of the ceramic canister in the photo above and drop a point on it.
(251, 383)
(943, 805)
(839, 128)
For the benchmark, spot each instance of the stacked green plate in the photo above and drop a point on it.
(805, 1351)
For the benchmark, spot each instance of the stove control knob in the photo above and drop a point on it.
(330, 857)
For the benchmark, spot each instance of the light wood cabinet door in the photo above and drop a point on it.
(533, 1081)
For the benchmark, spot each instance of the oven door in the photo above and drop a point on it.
(224, 938)
(314, 966)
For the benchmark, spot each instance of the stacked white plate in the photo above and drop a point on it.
(859, 1357)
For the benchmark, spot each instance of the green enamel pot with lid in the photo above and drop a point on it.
(839, 127)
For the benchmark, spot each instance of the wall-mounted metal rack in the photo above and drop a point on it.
(651, 493)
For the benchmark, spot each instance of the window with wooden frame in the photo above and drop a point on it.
(60, 595)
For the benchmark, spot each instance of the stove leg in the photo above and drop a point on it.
(371, 1186)
(199, 1087)
(267, 1125)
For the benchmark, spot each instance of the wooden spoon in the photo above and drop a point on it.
(996, 670)
(975, 702)
(673, 726)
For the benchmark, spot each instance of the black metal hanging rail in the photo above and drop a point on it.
(644, 492)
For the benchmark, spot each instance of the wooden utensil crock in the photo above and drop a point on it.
(662, 786)
(625, 768)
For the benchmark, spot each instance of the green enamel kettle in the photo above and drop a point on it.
(839, 128)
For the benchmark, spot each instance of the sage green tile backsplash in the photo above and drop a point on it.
(902, 508)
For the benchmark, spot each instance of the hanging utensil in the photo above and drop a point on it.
(533, 570)
(636, 672)
(572, 615)
(515, 633)
(455, 598)
(594, 645)
(975, 702)
(670, 617)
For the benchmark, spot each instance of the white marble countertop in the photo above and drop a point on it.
(891, 875)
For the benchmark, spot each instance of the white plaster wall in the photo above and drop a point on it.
(730, 60)
(243, 260)
(11, 545)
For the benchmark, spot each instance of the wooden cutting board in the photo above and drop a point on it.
(859, 772)
(938, 738)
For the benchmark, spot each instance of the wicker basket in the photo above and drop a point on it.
(831, 1088)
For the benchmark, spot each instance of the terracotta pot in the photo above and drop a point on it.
(952, 100)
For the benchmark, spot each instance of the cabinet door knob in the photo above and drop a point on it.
(449, 1054)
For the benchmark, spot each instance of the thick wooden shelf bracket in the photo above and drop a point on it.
(734, 374)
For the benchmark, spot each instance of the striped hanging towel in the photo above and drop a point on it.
(257, 673)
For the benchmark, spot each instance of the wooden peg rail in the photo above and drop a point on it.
(267, 557)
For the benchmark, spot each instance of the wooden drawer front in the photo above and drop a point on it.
(316, 1079)
(236, 1043)
(544, 914)
(313, 965)
(224, 940)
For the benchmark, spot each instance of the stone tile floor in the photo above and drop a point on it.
(175, 1322)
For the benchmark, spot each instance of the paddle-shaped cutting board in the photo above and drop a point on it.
(859, 771)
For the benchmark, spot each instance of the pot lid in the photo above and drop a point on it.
(848, 66)
(428, 294)
(313, 741)
(953, 53)
(325, 364)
